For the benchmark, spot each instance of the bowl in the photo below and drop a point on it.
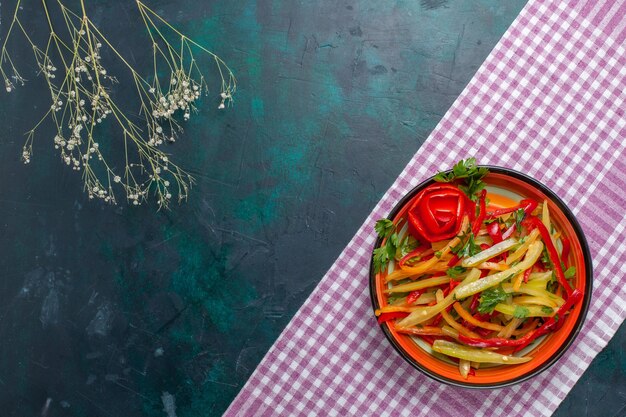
(505, 188)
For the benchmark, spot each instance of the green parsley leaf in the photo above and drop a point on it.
(470, 173)
(384, 227)
(520, 312)
(438, 254)
(393, 246)
(393, 239)
(472, 187)
(381, 258)
(570, 272)
(556, 317)
(519, 217)
(547, 310)
(455, 271)
(441, 177)
(490, 298)
(460, 168)
(467, 247)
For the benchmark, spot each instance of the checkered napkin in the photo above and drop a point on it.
(548, 101)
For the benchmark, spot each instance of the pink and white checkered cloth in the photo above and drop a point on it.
(548, 101)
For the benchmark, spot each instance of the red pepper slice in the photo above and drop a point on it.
(483, 332)
(391, 316)
(413, 296)
(455, 259)
(482, 212)
(475, 302)
(534, 222)
(471, 210)
(526, 275)
(494, 231)
(566, 248)
(453, 285)
(428, 339)
(437, 212)
(527, 205)
(416, 252)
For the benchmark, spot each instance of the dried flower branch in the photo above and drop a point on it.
(82, 99)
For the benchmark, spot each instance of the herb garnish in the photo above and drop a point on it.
(470, 173)
(519, 217)
(490, 298)
(467, 247)
(547, 310)
(384, 227)
(570, 272)
(545, 258)
(393, 247)
(456, 271)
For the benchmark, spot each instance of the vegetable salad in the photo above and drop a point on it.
(477, 283)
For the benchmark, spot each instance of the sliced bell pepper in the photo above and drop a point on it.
(414, 253)
(437, 212)
(475, 355)
(454, 260)
(566, 248)
(453, 284)
(494, 231)
(475, 302)
(549, 325)
(391, 316)
(413, 296)
(527, 205)
(534, 222)
(482, 212)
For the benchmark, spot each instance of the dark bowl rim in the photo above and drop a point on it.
(586, 298)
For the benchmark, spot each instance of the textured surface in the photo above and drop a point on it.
(103, 310)
(549, 102)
